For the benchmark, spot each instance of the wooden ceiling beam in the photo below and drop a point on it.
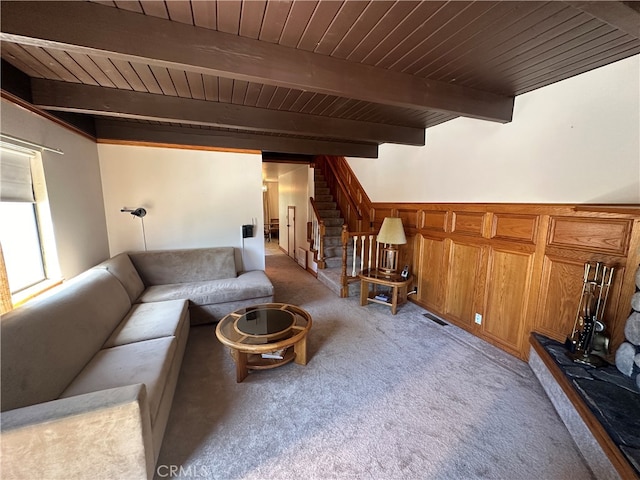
(94, 29)
(125, 131)
(623, 16)
(88, 99)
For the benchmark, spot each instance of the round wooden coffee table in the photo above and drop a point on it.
(265, 336)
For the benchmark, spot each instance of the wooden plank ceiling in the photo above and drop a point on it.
(311, 77)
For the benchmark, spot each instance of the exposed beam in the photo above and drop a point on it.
(10, 97)
(87, 99)
(620, 15)
(89, 28)
(166, 134)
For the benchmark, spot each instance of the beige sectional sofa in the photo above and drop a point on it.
(89, 370)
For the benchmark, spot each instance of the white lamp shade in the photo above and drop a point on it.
(392, 231)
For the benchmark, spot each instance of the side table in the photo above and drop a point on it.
(369, 281)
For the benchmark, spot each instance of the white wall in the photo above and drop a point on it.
(193, 198)
(293, 190)
(73, 185)
(575, 141)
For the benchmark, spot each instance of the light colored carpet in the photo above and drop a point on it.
(382, 397)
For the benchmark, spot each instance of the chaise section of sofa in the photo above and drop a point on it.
(88, 380)
(210, 278)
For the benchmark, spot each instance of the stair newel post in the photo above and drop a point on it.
(321, 257)
(344, 285)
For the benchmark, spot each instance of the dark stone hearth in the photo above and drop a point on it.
(558, 352)
(611, 396)
(578, 372)
(613, 376)
(633, 454)
(618, 409)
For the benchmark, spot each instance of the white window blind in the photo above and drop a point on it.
(15, 176)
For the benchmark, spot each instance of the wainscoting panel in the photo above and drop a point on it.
(560, 295)
(468, 223)
(435, 220)
(602, 235)
(411, 219)
(463, 281)
(380, 214)
(507, 300)
(519, 228)
(431, 272)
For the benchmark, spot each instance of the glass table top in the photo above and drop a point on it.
(265, 321)
(263, 325)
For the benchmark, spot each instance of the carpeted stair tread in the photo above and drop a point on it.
(333, 222)
(332, 241)
(333, 231)
(329, 205)
(323, 198)
(324, 214)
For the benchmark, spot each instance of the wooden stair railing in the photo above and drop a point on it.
(341, 194)
(365, 256)
(315, 235)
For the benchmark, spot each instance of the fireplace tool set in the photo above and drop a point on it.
(588, 343)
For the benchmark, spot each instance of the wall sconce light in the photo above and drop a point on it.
(390, 236)
(138, 212)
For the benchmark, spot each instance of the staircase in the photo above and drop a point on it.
(330, 214)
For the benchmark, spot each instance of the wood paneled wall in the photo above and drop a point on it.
(520, 266)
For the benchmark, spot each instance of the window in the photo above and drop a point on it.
(24, 217)
(21, 248)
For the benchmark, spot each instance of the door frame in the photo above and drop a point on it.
(291, 231)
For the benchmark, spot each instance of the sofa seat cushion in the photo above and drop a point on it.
(246, 286)
(147, 321)
(147, 362)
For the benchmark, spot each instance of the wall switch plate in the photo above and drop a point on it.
(478, 319)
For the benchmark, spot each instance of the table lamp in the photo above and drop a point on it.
(390, 236)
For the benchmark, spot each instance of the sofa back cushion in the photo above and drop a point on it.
(163, 267)
(121, 267)
(48, 341)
